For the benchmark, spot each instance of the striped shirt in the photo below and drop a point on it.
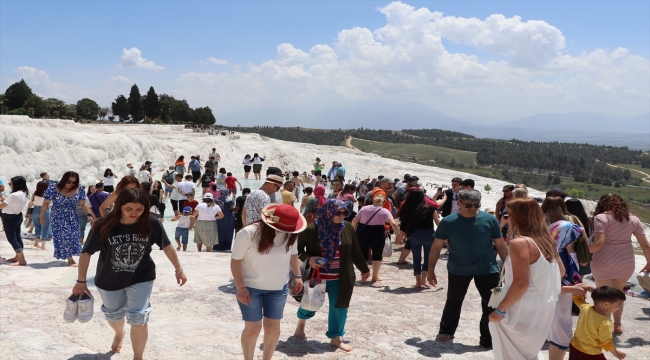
(335, 268)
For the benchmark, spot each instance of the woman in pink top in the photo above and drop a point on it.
(369, 223)
(613, 259)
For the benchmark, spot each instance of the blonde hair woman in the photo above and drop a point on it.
(531, 285)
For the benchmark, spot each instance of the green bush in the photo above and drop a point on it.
(19, 111)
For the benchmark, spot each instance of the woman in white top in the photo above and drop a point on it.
(261, 256)
(41, 232)
(109, 180)
(205, 229)
(12, 217)
(531, 285)
(257, 166)
(144, 175)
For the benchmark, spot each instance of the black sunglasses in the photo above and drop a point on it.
(341, 212)
(69, 182)
(469, 206)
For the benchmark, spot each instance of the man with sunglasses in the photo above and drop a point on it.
(472, 236)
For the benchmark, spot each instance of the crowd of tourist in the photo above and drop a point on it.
(527, 257)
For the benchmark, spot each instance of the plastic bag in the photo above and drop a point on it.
(313, 297)
(388, 248)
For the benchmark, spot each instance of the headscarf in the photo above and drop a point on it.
(319, 192)
(379, 191)
(345, 197)
(565, 233)
(222, 199)
(329, 233)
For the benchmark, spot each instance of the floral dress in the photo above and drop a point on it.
(65, 222)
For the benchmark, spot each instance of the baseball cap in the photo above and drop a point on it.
(274, 170)
(187, 209)
(208, 196)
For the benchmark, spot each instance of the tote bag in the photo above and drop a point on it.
(313, 297)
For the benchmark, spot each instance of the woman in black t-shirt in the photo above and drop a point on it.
(417, 217)
(125, 270)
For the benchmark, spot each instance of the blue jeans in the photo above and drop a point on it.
(132, 302)
(264, 303)
(43, 232)
(83, 221)
(11, 223)
(336, 317)
(182, 233)
(421, 238)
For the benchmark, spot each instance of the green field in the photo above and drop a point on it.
(466, 162)
(423, 154)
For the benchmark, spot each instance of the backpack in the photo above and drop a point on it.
(169, 177)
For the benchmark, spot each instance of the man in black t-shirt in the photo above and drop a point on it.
(239, 206)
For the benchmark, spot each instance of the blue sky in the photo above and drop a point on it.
(71, 49)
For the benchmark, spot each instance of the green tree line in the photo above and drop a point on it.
(583, 162)
(19, 99)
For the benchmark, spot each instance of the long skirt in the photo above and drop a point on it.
(522, 332)
(205, 232)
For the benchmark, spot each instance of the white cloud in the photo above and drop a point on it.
(406, 60)
(42, 85)
(132, 58)
(213, 60)
(120, 79)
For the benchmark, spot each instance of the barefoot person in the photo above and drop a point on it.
(371, 230)
(125, 270)
(64, 196)
(334, 241)
(472, 236)
(42, 233)
(416, 223)
(531, 285)
(12, 217)
(261, 257)
(614, 261)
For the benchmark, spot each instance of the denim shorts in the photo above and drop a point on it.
(132, 302)
(168, 189)
(264, 303)
(182, 233)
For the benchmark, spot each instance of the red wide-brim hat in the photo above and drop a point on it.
(285, 218)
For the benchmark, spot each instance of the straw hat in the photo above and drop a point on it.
(285, 218)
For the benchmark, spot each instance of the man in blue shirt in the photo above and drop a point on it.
(195, 168)
(472, 236)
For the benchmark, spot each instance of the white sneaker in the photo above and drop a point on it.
(86, 308)
(71, 309)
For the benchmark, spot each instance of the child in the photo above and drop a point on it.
(594, 330)
(190, 201)
(299, 185)
(185, 224)
(230, 184)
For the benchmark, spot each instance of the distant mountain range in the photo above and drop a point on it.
(396, 115)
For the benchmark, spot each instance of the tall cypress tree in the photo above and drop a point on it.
(151, 104)
(120, 107)
(135, 104)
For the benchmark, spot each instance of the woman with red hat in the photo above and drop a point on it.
(261, 256)
(331, 245)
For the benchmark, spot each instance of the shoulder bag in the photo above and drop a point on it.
(496, 291)
(581, 246)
